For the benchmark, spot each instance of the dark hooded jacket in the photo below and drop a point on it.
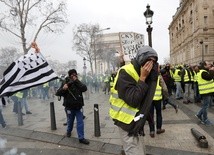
(72, 98)
(129, 90)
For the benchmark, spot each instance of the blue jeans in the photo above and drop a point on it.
(17, 101)
(71, 114)
(45, 93)
(197, 96)
(25, 104)
(179, 91)
(206, 100)
(15, 106)
(188, 87)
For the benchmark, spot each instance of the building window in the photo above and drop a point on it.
(205, 20)
(206, 50)
(190, 16)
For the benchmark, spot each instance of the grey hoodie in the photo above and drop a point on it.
(144, 53)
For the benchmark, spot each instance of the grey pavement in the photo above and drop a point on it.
(36, 130)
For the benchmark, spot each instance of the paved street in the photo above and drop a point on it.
(36, 136)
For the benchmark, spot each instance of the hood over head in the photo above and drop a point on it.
(144, 53)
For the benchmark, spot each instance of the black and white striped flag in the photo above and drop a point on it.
(29, 70)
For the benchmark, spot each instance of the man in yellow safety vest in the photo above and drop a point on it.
(206, 90)
(127, 94)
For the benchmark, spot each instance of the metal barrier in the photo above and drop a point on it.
(96, 121)
(52, 115)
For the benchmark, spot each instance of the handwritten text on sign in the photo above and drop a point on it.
(131, 42)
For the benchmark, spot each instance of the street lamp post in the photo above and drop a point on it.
(84, 65)
(148, 14)
(202, 50)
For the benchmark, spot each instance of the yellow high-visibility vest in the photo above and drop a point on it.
(19, 94)
(119, 109)
(46, 85)
(204, 86)
(186, 77)
(195, 76)
(158, 92)
(177, 77)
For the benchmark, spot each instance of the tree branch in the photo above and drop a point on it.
(5, 28)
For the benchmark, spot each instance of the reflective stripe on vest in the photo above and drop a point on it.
(186, 77)
(119, 109)
(204, 86)
(158, 92)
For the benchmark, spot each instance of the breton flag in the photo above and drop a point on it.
(29, 70)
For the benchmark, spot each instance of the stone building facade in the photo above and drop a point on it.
(192, 32)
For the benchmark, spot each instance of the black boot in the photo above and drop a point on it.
(84, 141)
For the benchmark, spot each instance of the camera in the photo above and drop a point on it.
(68, 81)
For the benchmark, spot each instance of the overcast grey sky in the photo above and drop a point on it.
(119, 15)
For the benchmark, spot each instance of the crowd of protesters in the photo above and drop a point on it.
(184, 80)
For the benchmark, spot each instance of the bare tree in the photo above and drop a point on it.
(62, 68)
(84, 42)
(8, 55)
(20, 17)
